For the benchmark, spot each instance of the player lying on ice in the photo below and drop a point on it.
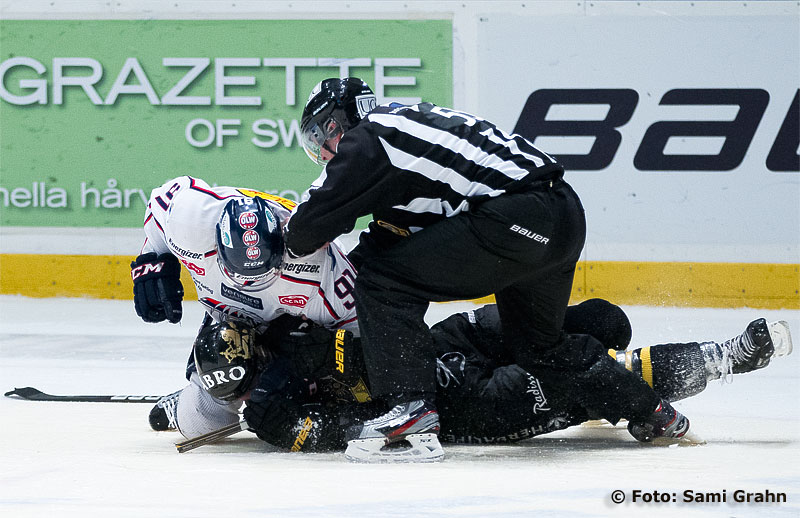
(230, 241)
(304, 385)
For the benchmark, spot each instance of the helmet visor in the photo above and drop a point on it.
(249, 282)
(314, 139)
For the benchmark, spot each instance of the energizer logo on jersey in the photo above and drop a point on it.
(182, 252)
(301, 268)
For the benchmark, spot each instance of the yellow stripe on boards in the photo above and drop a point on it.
(722, 285)
(93, 276)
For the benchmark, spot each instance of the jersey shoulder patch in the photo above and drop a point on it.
(283, 202)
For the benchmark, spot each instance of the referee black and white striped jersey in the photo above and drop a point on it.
(411, 166)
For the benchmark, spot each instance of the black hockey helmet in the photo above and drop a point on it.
(224, 354)
(334, 107)
(249, 243)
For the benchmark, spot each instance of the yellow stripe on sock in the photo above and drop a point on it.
(647, 365)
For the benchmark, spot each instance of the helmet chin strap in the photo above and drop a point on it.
(328, 149)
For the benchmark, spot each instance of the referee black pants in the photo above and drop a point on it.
(522, 247)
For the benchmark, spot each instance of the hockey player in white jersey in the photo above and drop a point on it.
(230, 241)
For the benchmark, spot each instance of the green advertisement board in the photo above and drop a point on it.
(94, 114)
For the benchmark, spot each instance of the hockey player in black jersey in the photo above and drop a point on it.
(313, 385)
(461, 210)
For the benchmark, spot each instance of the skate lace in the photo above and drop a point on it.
(726, 367)
(170, 404)
(388, 416)
(734, 351)
(443, 372)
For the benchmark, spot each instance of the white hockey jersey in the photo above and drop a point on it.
(181, 218)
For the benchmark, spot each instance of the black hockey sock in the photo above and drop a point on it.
(675, 371)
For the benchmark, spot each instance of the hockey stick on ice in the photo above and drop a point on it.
(208, 438)
(32, 394)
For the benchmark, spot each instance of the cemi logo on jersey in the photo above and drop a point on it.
(238, 343)
(308, 424)
(339, 344)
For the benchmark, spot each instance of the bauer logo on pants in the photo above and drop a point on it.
(529, 234)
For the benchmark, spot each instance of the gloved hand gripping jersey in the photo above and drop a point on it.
(284, 406)
(157, 288)
(276, 410)
(313, 351)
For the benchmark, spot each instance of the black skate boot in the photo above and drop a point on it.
(753, 349)
(162, 416)
(407, 433)
(750, 350)
(664, 427)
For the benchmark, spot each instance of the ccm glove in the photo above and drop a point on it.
(157, 288)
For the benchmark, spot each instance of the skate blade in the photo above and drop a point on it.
(597, 423)
(689, 439)
(781, 337)
(422, 447)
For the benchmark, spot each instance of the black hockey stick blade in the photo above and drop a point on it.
(32, 394)
(210, 437)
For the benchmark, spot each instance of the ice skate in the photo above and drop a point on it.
(665, 427)
(162, 416)
(407, 433)
(753, 349)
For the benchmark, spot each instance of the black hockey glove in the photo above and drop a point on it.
(284, 423)
(308, 348)
(313, 351)
(275, 412)
(316, 353)
(157, 288)
(279, 378)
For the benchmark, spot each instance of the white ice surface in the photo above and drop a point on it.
(63, 460)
